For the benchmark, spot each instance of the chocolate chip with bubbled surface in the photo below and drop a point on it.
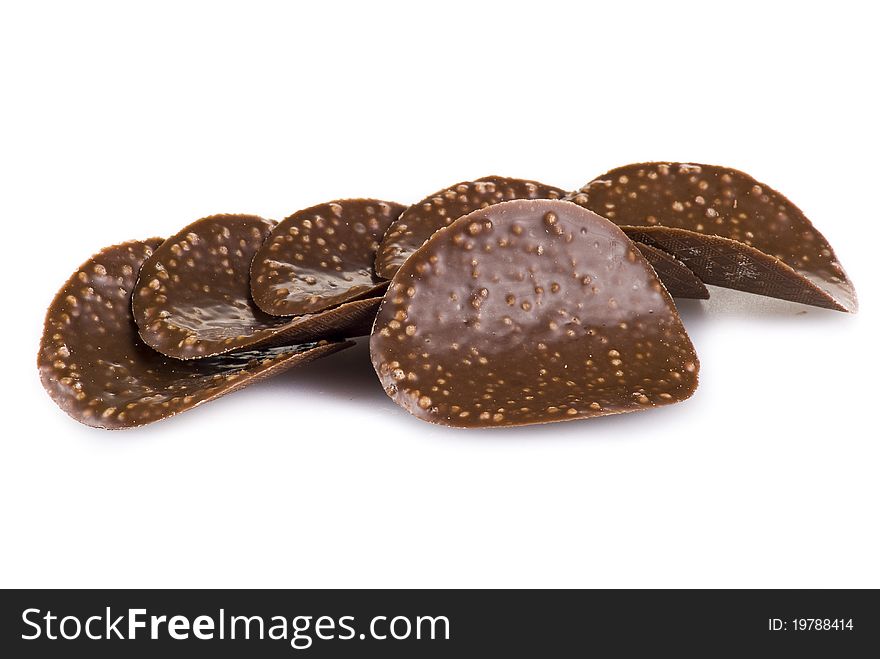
(95, 367)
(529, 312)
(769, 231)
(418, 222)
(193, 297)
(321, 256)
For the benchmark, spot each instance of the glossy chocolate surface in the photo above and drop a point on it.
(192, 299)
(418, 222)
(675, 275)
(529, 312)
(95, 367)
(708, 200)
(321, 256)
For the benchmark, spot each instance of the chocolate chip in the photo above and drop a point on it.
(528, 312)
(321, 257)
(766, 244)
(675, 275)
(96, 368)
(731, 264)
(418, 222)
(192, 299)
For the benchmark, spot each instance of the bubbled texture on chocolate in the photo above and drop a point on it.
(193, 298)
(529, 312)
(321, 256)
(707, 200)
(95, 367)
(418, 222)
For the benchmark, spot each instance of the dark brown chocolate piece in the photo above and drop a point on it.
(192, 299)
(96, 368)
(529, 312)
(675, 275)
(731, 264)
(321, 257)
(418, 222)
(708, 201)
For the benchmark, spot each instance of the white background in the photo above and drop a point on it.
(120, 123)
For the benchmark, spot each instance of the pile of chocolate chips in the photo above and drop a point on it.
(495, 302)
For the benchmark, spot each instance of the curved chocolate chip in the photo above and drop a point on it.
(710, 201)
(528, 312)
(321, 256)
(192, 298)
(96, 368)
(675, 275)
(731, 264)
(418, 222)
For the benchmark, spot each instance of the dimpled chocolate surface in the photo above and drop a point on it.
(321, 256)
(418, 222)
(675, 275)
(720, 201)
(529, 312)
(95, 367)
(192, 298)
